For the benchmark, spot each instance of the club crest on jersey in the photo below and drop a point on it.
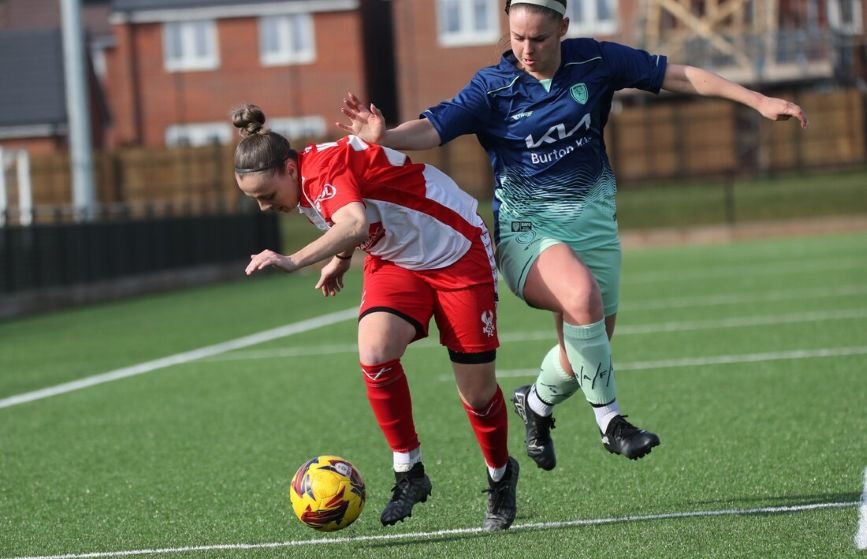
(579, 93)
(488, 327)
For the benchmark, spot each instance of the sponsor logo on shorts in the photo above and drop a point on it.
(526, 238)
(521, 226)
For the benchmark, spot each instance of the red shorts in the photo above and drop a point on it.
(462, 298)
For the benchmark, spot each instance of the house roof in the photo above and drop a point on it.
(131, 5)
(31, 71)
(145, 11)
(137, 5)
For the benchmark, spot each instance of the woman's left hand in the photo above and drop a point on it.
(331, 276)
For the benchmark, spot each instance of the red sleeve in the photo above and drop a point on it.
(338, 179)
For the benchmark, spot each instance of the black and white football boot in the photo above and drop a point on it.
(540, 447)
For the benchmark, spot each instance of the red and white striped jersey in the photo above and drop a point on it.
(419, 218)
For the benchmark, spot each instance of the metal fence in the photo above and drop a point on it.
(51, 265)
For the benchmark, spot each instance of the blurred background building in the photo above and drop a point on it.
(166, 72)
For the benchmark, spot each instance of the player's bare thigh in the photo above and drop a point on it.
(558, 281)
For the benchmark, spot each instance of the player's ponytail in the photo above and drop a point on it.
(260, 149)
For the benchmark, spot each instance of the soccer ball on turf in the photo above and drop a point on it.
(327, 493)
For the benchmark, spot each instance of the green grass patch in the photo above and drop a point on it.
(769, 414)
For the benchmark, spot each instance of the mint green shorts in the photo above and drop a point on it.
(592, 236)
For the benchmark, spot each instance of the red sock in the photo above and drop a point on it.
(388, 394)
(490, 424)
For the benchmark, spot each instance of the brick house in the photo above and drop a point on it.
(179, 66)
(171, 70)
(33, 97)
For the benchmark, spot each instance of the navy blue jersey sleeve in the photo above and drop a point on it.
(634, 68)
(466, 113)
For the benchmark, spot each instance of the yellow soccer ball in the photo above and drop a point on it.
(327, 493)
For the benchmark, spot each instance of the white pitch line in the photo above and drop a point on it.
(777, 268)
(740, 298)
(702, 361)
(549, 334)
(416, 536)
(740, 321)
(861, 535)
(179, 358)
(508, 337)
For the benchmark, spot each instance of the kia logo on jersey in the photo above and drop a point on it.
(558, 132)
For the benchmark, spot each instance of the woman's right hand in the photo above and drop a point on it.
(366, 123)
(269, 258)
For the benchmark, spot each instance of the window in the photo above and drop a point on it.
(468, 22)
(286, 39)
(302, 127)
(201, 134)
(845, 16)
(190, 45)
(592, 17)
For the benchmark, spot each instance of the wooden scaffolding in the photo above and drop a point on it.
(740, 35)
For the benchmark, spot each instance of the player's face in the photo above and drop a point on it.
(273, 191)
(535, 38)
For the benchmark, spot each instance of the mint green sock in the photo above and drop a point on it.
(589, 354)
(553, 385)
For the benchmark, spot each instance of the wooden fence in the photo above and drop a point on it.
(665, 138)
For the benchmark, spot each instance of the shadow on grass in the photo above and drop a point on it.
(444, 538)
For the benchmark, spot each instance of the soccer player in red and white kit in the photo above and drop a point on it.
(428, 254)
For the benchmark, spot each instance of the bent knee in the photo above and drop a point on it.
(583, 305)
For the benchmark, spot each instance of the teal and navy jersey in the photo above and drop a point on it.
(546, 146)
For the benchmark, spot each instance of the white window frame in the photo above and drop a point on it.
(189, 59)
(591, 25)
(286, 54)
(198, 134)
(835, 17)
(298, 127)
(468, 35)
